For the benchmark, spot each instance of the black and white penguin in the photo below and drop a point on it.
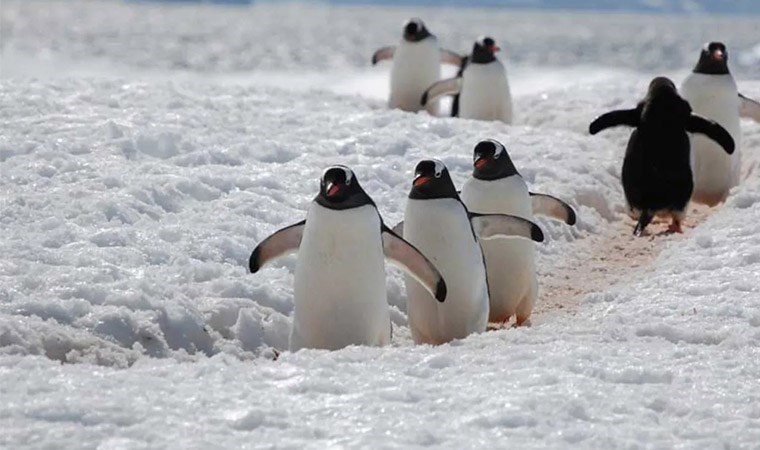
(480, 88)
(439, 225)
(496, 187)
(340, 296)
(712, 93)
(657, 175)
(416, 65)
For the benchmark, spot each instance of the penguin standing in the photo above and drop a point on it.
(340, 297)
(657, 176)
(439, 225)
(416, 65)
(497, 188)
(481, 86)
(711, 91)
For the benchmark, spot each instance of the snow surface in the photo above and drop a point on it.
(145, 150)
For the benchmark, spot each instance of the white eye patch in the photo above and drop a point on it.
(439, 167)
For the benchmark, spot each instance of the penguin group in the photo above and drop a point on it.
(480, 88)
(469, 254)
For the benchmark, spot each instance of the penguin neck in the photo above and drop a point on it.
(709, 66)
(482, 57)
(356, 200)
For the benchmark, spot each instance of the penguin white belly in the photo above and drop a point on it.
(415, 67)
(714, 97)
(441, 230)
(485, 93)
(340, 296)
(510, 262)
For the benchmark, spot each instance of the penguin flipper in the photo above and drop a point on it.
(749, 108)
(383, 54)
(449, 86)
(549, 206)
(713, 130)
(414, 263)
(489, 226)
(616, 118)
(279, 243)
(399, 229)
(449, 57)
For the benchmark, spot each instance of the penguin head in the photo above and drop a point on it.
(663, 105)
(339, 189)
(713, 59)
(414, 30)
(432, 180)
(484, 50)
(491, 161)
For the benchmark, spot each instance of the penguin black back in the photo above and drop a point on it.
(657, 176)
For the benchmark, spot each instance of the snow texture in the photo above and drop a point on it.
(145, 150)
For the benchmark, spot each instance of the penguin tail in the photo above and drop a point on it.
(644, 219)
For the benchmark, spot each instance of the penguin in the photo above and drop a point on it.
(481, 86)
(496, 187)
(439, 224)
(657, 175)
(340, 297)
(712, 93)
(416, 65)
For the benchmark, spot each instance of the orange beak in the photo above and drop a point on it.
(495, 48)
(420, 180)
(332, 189)
(717, 54)
(481, 162)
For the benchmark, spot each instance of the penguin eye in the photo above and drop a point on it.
(438, 173)
(496, 155)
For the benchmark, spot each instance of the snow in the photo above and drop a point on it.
(145, 150)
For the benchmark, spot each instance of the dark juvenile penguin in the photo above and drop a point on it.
(657, 175)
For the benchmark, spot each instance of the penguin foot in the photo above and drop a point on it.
(523, 322)
(675, 227)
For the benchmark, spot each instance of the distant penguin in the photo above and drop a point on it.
(657, 176)
(497, 188)
(439, 225)
(480, 88)
(416, 65)
(711, 91)
(340, 296)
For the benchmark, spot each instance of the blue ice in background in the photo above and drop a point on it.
(645, 6)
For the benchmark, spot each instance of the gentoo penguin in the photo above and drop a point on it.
(481, 85)
(711, 91)
(657, 176)
(497, 188)
(340, 297)
(416, 65)
(439, 225)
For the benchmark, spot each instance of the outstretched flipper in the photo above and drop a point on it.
(415, 263)
(448, 86)
(281, 242)
(399, 229)
(383, 54)
(616, 118)
(749, 108)
(552, 207)
(713, 130)
(489, 226)
(449, 57)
